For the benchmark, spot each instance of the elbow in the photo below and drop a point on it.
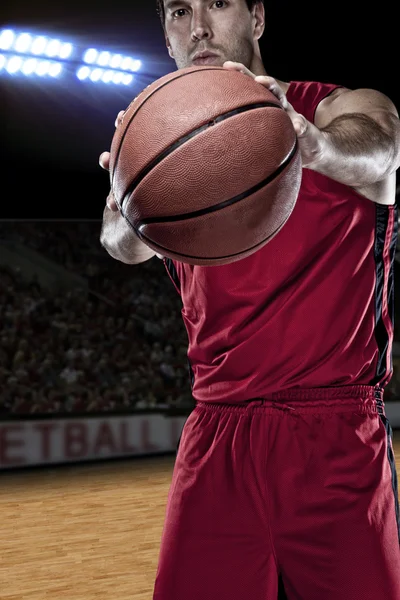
(390, 125)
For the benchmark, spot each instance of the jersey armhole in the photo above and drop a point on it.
(324, 98)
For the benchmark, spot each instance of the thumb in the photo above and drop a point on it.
(300, 125)
(112, 205)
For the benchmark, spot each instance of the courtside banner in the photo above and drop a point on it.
(26, 443)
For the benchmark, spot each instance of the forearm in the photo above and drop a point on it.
(120, 240)
(358, 151)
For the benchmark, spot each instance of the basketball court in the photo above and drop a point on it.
(85, 533)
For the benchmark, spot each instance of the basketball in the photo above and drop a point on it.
(205, 166)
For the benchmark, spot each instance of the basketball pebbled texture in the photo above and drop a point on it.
(205, 165)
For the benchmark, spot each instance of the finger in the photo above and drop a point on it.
(234, 66)
(119, 118)
(104, 161)
(300, 125)
(112, 205)
(272, 85)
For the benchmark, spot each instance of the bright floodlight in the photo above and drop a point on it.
(118, 77)
(136, 65)
(23, 42)
(126, 63)
(29, 66)
(6, 39)
(127, 79)
(116, 61)
(14, 64)
(42, 68)
(65, 51)
(39, 44)
(96, 74)
(104, 59)
(53, 48)
(55, 69)
(83, 73)
(2, 61)
(90, 55)
(107, 77)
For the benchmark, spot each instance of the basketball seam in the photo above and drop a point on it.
(225, 203)
(219, 257)
(178, 76)
(181, 141)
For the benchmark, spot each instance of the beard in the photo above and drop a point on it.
(240, 50)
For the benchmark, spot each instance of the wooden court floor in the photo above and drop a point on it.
(85, 533)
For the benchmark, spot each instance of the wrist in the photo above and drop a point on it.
(320, 156)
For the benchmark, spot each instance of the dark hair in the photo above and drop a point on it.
(161, 11)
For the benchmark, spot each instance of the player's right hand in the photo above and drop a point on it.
(104, 162)
(116, 235)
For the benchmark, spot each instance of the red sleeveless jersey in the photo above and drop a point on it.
(313, 308)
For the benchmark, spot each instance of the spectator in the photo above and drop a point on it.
(122, 347)
(78, 353)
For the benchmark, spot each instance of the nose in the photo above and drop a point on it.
(200, 28)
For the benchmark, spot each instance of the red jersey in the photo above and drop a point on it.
(313, 308)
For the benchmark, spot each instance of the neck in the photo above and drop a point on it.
(257, 66)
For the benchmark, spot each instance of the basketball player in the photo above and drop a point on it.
(285, 483)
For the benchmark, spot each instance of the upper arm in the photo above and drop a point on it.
(365, 101)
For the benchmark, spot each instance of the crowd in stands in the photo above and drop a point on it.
(120, 347)
(123, 347)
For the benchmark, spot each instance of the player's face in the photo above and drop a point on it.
(225, 28)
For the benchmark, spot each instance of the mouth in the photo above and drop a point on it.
(205, 58)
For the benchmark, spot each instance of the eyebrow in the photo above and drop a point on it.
(174, 4)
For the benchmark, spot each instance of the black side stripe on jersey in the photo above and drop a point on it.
(392, 462)
(173, 274)
(392, 252)
(383, 217)
(381, 333)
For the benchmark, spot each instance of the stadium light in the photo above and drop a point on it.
(96, 74)
(7, 37)
(39, 44)
(116, 61)
(83, 73)
(23, 42)
(55, 69)
(104, 59)
(127, 79)
(14, 64)
(117, 67)
(126, 63)
(136, 65)
(107, 77)
(30, 66)
(118, 77)
(90, 56)
(36, 45)
(53, 48)
(31, 54)
(65, 50)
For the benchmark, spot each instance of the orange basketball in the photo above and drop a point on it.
(205, 166)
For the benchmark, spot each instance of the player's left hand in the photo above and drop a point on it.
(311, 139)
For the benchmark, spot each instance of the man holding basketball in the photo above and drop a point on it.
(285, 483)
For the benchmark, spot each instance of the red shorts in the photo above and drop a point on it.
(292, 497)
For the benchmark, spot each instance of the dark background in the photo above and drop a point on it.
(52, 132)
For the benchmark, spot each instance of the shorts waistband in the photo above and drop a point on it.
(363, 398)
(354, 392)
